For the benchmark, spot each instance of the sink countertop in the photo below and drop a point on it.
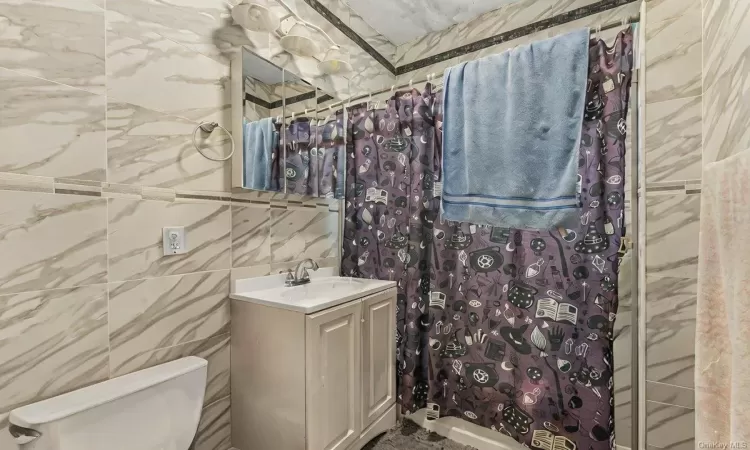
(321, 293)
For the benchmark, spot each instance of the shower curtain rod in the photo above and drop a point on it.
(434, 76)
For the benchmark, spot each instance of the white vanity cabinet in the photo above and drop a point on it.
(319, 381)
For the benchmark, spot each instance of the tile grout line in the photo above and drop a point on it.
(703, 86)
(669, 384)
(688, 97)
(193, 341)
(55, 82)
(670, 404)
(106, 178)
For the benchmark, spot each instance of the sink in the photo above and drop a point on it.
(324, 291)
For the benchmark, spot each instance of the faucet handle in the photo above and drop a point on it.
(289, 278)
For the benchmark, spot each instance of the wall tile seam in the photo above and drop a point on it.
(194, 341)
(687, 97)
(670, 385)
(200, 272)
(669, 404)
(41, 291)
(24, 74)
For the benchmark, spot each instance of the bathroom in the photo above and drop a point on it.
(101, 166)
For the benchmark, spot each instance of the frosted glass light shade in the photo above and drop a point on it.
(299, 41)
(336, 61)
(255, 17)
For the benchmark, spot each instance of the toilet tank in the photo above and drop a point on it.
(152, 409)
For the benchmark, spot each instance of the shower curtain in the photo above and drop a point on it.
(509, 329)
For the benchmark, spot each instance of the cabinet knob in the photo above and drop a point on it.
(363, 320)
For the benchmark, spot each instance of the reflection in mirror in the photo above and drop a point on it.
(262, 95)
(331, 146)
(286, 146)
(299, 142)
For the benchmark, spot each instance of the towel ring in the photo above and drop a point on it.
(209, 127)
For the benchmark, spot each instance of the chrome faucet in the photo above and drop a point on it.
(300, 275)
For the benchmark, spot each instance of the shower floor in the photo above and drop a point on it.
(410, 436)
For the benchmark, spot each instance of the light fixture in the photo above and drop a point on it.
(335, 61)
(299, 41)
(255, 17)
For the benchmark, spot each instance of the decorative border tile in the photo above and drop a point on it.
(113, 190)
(689, 187)
(28, 183)
(162, 194)
(78, 187)
(223, 197)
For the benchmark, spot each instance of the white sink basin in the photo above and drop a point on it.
(321, 293)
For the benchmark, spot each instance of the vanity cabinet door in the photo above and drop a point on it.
(333, 357)
(378, 355)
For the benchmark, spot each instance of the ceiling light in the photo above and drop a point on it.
(335, 61)
(299, 41)
(255, 17)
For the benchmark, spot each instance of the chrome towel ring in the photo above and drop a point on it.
(209, 127)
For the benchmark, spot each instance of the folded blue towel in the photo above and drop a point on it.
(259, 139)
(511, 130)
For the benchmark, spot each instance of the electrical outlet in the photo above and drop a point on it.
(174, 241)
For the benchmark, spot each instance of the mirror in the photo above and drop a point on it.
(288, 144)
(257, 161)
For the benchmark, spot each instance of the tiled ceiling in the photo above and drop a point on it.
(402, 21)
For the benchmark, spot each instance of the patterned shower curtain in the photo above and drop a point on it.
(509, 329)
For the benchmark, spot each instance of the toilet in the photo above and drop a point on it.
(152, 409)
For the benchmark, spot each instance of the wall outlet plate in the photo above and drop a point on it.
(174, 241)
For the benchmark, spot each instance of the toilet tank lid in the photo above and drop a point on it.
(65, 405)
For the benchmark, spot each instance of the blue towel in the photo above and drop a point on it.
(511, 130)
(258, 149)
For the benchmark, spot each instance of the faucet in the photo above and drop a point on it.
(300, 275)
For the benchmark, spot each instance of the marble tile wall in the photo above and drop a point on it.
(99, 107)
(674, 121)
